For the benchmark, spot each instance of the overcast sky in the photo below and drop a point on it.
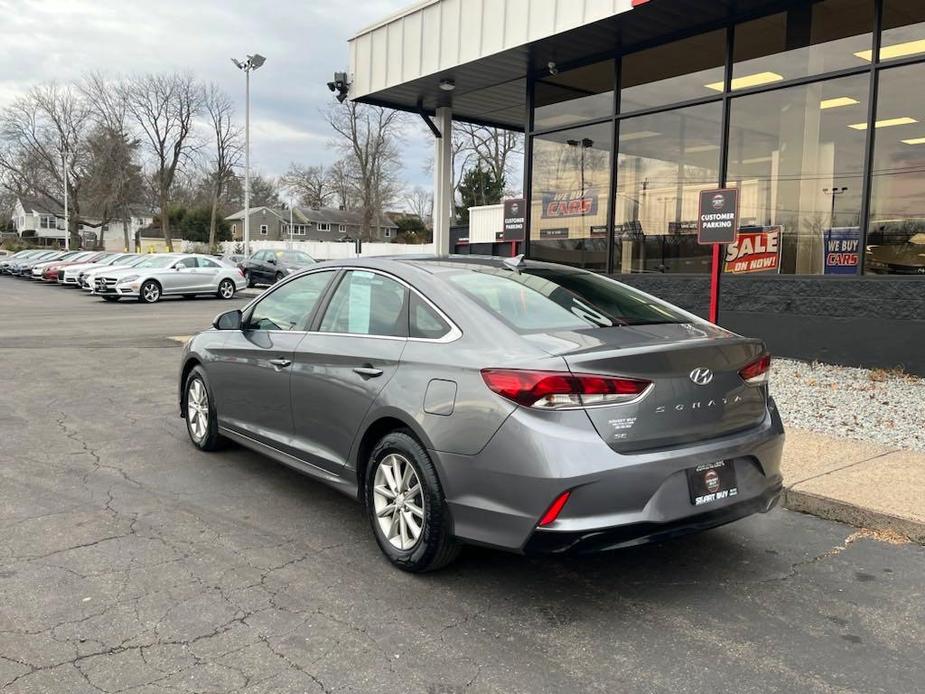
(304, 42)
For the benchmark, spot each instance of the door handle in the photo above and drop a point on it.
(368, 371)
(280, 364)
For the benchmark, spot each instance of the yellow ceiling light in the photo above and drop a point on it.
(640, 135)
(887, 123)
(747, 81)
(838, 102)
(701, 148)
(897, 50)
(915, 141)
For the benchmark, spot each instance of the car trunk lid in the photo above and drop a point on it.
(697, 392)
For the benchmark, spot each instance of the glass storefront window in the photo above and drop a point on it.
(571, 191)
(664, 161)
(574, 96)
(903, 30)
(896, 234)
(673, 72)
(808, 39)
(797, 157)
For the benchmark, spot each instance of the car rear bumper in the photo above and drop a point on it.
(552, 542)
(498, 496)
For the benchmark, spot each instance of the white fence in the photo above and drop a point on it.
(328, 250)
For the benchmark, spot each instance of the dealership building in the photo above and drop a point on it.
(813, 111)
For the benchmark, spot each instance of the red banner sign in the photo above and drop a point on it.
(756, 250)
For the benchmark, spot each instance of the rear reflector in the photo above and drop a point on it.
(554, 510)
(556, 390)
(757, 372)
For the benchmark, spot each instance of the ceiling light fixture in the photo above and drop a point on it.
(915, 141)
(747, 81)
(641, 135)
(447, 85)
(886, 123)
(897, 50)
(701, 148)
(838, 102)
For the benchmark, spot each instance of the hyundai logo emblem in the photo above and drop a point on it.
(701, 376)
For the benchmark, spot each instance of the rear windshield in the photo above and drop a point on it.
(546, 299)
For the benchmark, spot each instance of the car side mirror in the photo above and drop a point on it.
(229, 320)
(271, 260)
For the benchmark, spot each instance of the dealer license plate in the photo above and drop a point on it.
(712, 482)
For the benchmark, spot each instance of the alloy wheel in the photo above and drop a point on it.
(398, 501)
(150, 292)
(197, 409)
(226, 289)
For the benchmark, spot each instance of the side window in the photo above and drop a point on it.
(187, 262)
(367, 303)
(424, 321)
(289, 307)
(206, 262)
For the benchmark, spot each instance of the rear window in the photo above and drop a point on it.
(546, 299)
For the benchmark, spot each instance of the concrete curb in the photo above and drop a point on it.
(858, 516)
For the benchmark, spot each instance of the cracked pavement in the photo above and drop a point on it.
(131, 562)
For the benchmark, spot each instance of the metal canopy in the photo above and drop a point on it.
(492, 88)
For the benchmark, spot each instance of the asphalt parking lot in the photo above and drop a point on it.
(131, 562)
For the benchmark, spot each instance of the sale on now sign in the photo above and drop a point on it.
(755, 250)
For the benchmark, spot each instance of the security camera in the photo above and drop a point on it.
(553, 68)
(340, 86)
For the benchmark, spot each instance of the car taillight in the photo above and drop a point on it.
(757, 372)
(550, 390)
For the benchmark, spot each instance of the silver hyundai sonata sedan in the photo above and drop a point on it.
(522, 405)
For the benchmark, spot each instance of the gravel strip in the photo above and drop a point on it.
(873, 405)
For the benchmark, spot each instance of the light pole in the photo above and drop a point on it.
(67, 219)
(251, 63)
(834, 193)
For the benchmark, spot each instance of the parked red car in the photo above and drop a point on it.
(50, 273)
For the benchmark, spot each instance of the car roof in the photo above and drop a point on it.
(435, 265)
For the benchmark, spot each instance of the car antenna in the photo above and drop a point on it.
(515, 263)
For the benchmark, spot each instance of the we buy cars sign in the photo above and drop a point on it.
(756, 250)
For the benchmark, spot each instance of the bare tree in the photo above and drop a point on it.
(494, 149)
(226, 153)
(340, 179)
(311, 184)
(165, 108)
(45, 133)
(117, 182)
(421, 204)
(369, 137)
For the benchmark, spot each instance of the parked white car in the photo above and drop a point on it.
(171, 274)
(69, 273)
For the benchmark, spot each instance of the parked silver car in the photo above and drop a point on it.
(523, 405)
(170, 274)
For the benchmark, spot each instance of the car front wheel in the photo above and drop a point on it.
(226, 289)
(150, 292)
(201, 419)
(405, 505)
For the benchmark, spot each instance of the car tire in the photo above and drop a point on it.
(150, 292)
(111, 299)
(279, 277)
(199, 412)
(434, 546)
(226, 289)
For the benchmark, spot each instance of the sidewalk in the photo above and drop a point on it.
(863, 484)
